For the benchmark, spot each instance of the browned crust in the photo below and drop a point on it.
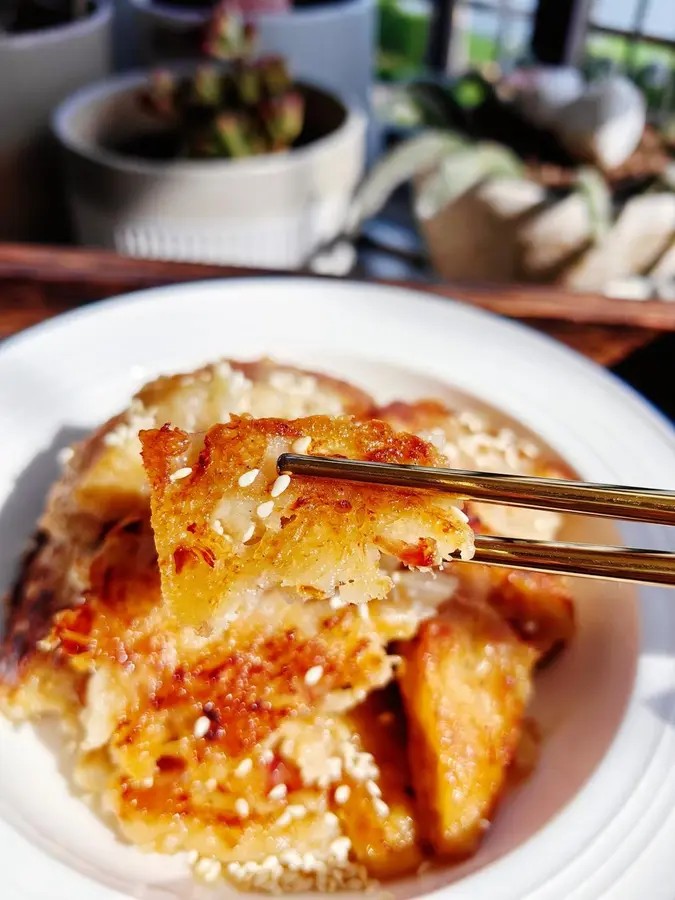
(356, 402)
(338, 520)
(69, 534)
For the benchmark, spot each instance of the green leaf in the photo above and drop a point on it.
(413, 157)
(461, 171)
(595, 191)
(432, 102)
(469, 93)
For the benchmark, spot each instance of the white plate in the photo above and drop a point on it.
(598, 817)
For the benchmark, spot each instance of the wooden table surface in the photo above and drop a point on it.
(637, 338)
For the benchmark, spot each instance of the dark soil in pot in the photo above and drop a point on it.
(23, 16)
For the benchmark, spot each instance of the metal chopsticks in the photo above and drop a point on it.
(609, 501)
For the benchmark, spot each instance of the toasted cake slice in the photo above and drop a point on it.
(468, 440)
(184, 739)
(109, 479)
(466, 680)
(228, 530)
(103, 481)
(538, 606)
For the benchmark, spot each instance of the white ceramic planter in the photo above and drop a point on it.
(37, 70)
(271, 211)
(331, 45)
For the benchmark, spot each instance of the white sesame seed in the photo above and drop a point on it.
(373, 788)
(180, 473)
(284, 819)
(296, 811)
(333, 768)
(211, 784)
(265, 509)
(208, 869)
(270, 863)
(241, 807)
(336, 602)
(148, 782)
(301, 445)
(202, 726)
(341, 794)
(461, 514)
(381, 808)
(248, 478)
(217, 526)
(484, 824)
(65, 455)
(309, 861)
(331, 819)
(244, 767)
(278, 792)
(291, 859)
(266, 756)
(248, 534)
(340, 847)
(364, 612)
(280, 485)
(313, 676)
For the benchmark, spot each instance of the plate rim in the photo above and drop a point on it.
(644, 410)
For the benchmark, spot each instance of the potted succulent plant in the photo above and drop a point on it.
(225, 161)
(546, 181)
(48, 48)
(328, 42)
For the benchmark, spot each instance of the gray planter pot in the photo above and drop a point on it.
(331, 45)
(269, 211)
(37, 71)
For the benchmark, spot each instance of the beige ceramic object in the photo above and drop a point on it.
(554, 238)
(475, 238)
(37, 71)
(638, 239)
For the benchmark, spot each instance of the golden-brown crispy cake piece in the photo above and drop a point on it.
(379, 815)
(103, 481)
(183, 737)
(468, 440)
(538, 606)
(228, 530)
(465, 681)
(110, 481)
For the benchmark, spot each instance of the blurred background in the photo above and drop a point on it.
(500, 141)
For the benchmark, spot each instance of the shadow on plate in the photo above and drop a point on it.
(663, 705)
(22, 508)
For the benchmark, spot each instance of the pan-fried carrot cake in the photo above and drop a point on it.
(296, 682)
